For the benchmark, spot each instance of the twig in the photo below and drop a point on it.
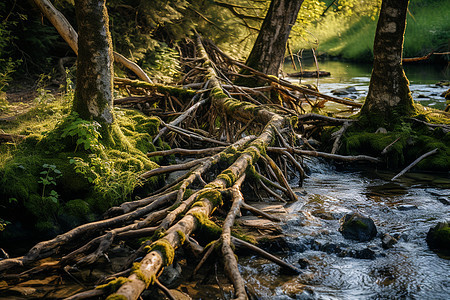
(339, 134)
(193, 135)
(182, 151)
(265, 254)
(326, 155)
(388, 147)
(180, 118)
(165, 290)
(414, 163)
(205, 257)
(259, 212)
(231, 266)
(172, 168)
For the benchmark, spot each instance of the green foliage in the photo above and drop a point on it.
(3, 224)
(105, 174)
(349, 31)
(48, 178)
(84, 132)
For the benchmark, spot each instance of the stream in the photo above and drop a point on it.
(407, 209)
(423, 80)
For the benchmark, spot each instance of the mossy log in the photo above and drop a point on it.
(157, 258)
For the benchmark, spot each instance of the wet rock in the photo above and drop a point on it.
(321, 213)
(438, 237)
(406, 207)
(366, 253)
(344, 91)
(303, 263)
(444, 200)
(355, 226)
(171, 276)
(388, 241)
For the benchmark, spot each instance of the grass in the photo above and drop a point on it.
(352, 38)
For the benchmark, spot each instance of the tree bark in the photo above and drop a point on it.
(270, 46)
(94, 92)
(389, 96)
(71, 37)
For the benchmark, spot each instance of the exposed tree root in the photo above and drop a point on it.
(258, 149)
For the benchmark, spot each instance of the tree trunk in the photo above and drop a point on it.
(270, 46)
(94, 91)
(389, 96)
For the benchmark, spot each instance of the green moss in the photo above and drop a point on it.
(181, 236)
(136, 270)
(198, 204)
(252, 173)
(208, 228)
(166, 250)
(113, 285)
(160, 233)
(228, 176)
(355, 224)
(116, 297)
(212, 195)
(187, 193)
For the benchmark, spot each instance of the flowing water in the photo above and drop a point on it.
(423, 80)
(407, 208)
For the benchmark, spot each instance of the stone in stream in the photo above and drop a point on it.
(406, 207)
(344, 91)
(355, 226)
(388, 241)
(438, 237)
(171, 275)
(303, 263)
(444, 200)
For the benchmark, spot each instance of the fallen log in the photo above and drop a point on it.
(309, 74)
(161, 251)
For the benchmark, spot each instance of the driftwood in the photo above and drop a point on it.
(258, 150)
(309, 74)
(415, 163)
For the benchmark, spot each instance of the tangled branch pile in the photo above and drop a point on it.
(242, 139)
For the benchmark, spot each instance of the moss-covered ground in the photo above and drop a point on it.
(68, 170)
(414, 140)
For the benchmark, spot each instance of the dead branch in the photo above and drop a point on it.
(231, 266)
(259, 212)
(415, 163)
(172, 168)
(265, 254)
(180, 118)
(326, 155)
(337, 137)
(182, 151)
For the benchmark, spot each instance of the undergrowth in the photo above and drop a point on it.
(65, 172)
